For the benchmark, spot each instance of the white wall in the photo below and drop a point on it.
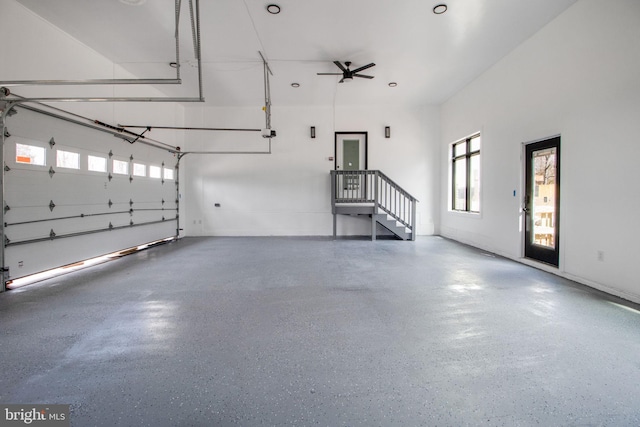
(577, 77)
(288, 192)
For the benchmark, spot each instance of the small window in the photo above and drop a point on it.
(97, 164)
(120, 167)
(67, 159)
(465, 174)
(168, 173)
(155, 172)
(139, 169)
(30, 154)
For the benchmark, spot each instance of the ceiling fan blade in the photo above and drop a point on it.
(339, 65)
(329, 74)
(363, 76)
(357, 70)
(341, 81)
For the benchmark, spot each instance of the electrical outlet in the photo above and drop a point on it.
(600, 255)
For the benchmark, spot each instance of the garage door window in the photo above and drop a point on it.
(97, 164)
(67, 159)
(154, 172)
(139, 169)
(168, 174)
(30, 154)
(120, 167)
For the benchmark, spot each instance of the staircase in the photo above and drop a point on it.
(372, 194)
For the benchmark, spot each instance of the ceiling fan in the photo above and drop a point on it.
(347, 74)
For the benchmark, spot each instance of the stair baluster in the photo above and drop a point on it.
(372, 193)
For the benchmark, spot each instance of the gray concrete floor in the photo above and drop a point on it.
(295, 331)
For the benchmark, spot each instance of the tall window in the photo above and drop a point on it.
(465, 174)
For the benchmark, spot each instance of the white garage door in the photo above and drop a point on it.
(73, 193)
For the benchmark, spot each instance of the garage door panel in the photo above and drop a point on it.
(58, 252)
(23, 188)
(20, 232)
(37, 230)
(28, 188)
(102, 210)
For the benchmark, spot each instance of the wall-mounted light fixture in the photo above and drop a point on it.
(387, 132)
(313, 131)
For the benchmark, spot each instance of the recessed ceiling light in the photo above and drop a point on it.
(393, 84)
(440, 9)
(295, 84)
(133, 2)
(273, 9)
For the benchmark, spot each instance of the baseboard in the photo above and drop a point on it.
(634, 298)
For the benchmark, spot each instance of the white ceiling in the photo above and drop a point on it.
(431, 57)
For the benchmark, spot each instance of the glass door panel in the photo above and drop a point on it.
(542, 201)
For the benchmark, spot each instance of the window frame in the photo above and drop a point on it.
(466, 156)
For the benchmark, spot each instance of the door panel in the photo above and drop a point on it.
(542, 201)
(351, 151)
(351, 154)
